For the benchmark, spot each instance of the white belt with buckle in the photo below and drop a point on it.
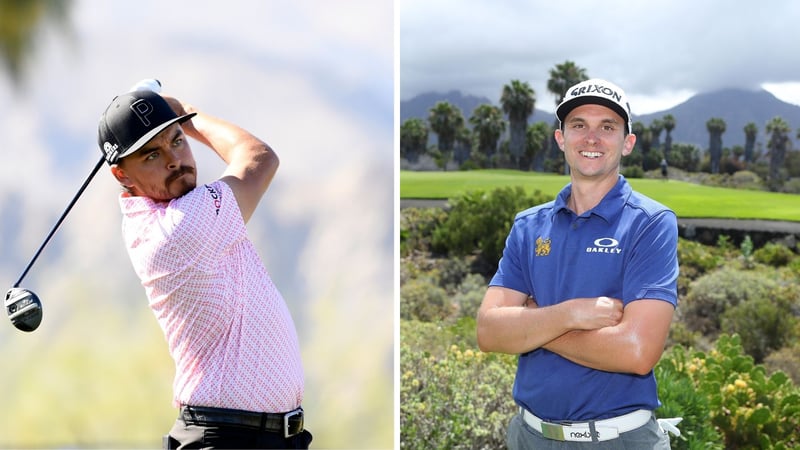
(604, 430)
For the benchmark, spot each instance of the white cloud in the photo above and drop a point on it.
(654, 50)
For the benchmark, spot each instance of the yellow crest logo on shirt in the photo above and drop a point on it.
(542, 246)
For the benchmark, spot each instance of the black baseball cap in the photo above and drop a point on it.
(131, 121)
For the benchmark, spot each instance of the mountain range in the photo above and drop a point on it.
(737, 107)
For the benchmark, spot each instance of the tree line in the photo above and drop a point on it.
(500, 137)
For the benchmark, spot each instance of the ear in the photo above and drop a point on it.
(627, 146)
(559, 136)
(120, 175)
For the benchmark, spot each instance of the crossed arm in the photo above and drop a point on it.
(594, 332)
(251, 163)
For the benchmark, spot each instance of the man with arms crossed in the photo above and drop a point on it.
(585, 292)
(239, 377)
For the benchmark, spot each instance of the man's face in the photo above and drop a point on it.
(162, 169)
(593, 141)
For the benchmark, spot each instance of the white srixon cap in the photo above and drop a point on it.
(597, 92)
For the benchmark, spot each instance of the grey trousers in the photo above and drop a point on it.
(649, 436)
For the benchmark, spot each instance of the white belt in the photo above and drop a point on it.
(604, 430)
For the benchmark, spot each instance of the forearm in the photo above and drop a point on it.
(609, 349)
(251, 163)
(632, 346)
(511, 322)
(519, 329)
(231, 142)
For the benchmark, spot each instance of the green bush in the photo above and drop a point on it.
(695, 260)
(632, 172)
(745, 179)
(765, 324)
(423, 299)
(772, 254)
(712, 294)
(416, 228)
(479, 222)
(725, 390)
(461, 400)
(436, 338)
(677, 390)
(786, 360)
(469, 295)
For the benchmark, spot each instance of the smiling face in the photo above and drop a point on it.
(593, 141)
(163, 169)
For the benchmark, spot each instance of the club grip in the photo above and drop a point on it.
(148, 84)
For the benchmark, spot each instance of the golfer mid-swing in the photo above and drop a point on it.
(239, 377)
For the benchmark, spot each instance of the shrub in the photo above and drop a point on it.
(632, 172)
(461, 400)
(416, 228)
(773, 254)
(677, 390)
(724, 389)
(423, 299)
(695, 260)
(479, 222)
(765, 324)
(469, 295)
(712, 294)
(786, 360)
(745, 179)
(679, 334)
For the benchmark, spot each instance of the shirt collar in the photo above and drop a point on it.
(130, 204)
(608, 208)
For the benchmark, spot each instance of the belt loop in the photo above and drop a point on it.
(593, 431)
(263, 425)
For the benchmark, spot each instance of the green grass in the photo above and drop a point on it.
(686, 199)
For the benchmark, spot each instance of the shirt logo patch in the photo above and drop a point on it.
(605, 245)
(542, 246)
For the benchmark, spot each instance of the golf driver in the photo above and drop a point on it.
(23, 306)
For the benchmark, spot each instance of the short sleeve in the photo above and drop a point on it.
(652, 272)
(203, 223)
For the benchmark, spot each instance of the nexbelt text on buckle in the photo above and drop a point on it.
(577, 433)
(601, 430)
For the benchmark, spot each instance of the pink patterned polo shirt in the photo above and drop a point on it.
(228, 328)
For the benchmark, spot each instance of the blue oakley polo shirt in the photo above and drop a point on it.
(625, 248)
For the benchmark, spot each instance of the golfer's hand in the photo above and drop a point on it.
(180, 109)
(594, 313)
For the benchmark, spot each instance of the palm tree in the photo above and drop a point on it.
(487, 125)
(669, 125)
(646, 140)
(413, 139)
(750, 133)
(19, 23)
(562, 77)
(445, 120)
(716, 126)
(778, 131)
(655, 127)
(537, 136)
(518, 100)
(462, 147)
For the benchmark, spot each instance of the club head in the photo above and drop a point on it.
(24, 309)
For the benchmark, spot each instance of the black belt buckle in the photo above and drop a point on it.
(287, 433)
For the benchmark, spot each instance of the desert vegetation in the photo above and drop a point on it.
(731, 367)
